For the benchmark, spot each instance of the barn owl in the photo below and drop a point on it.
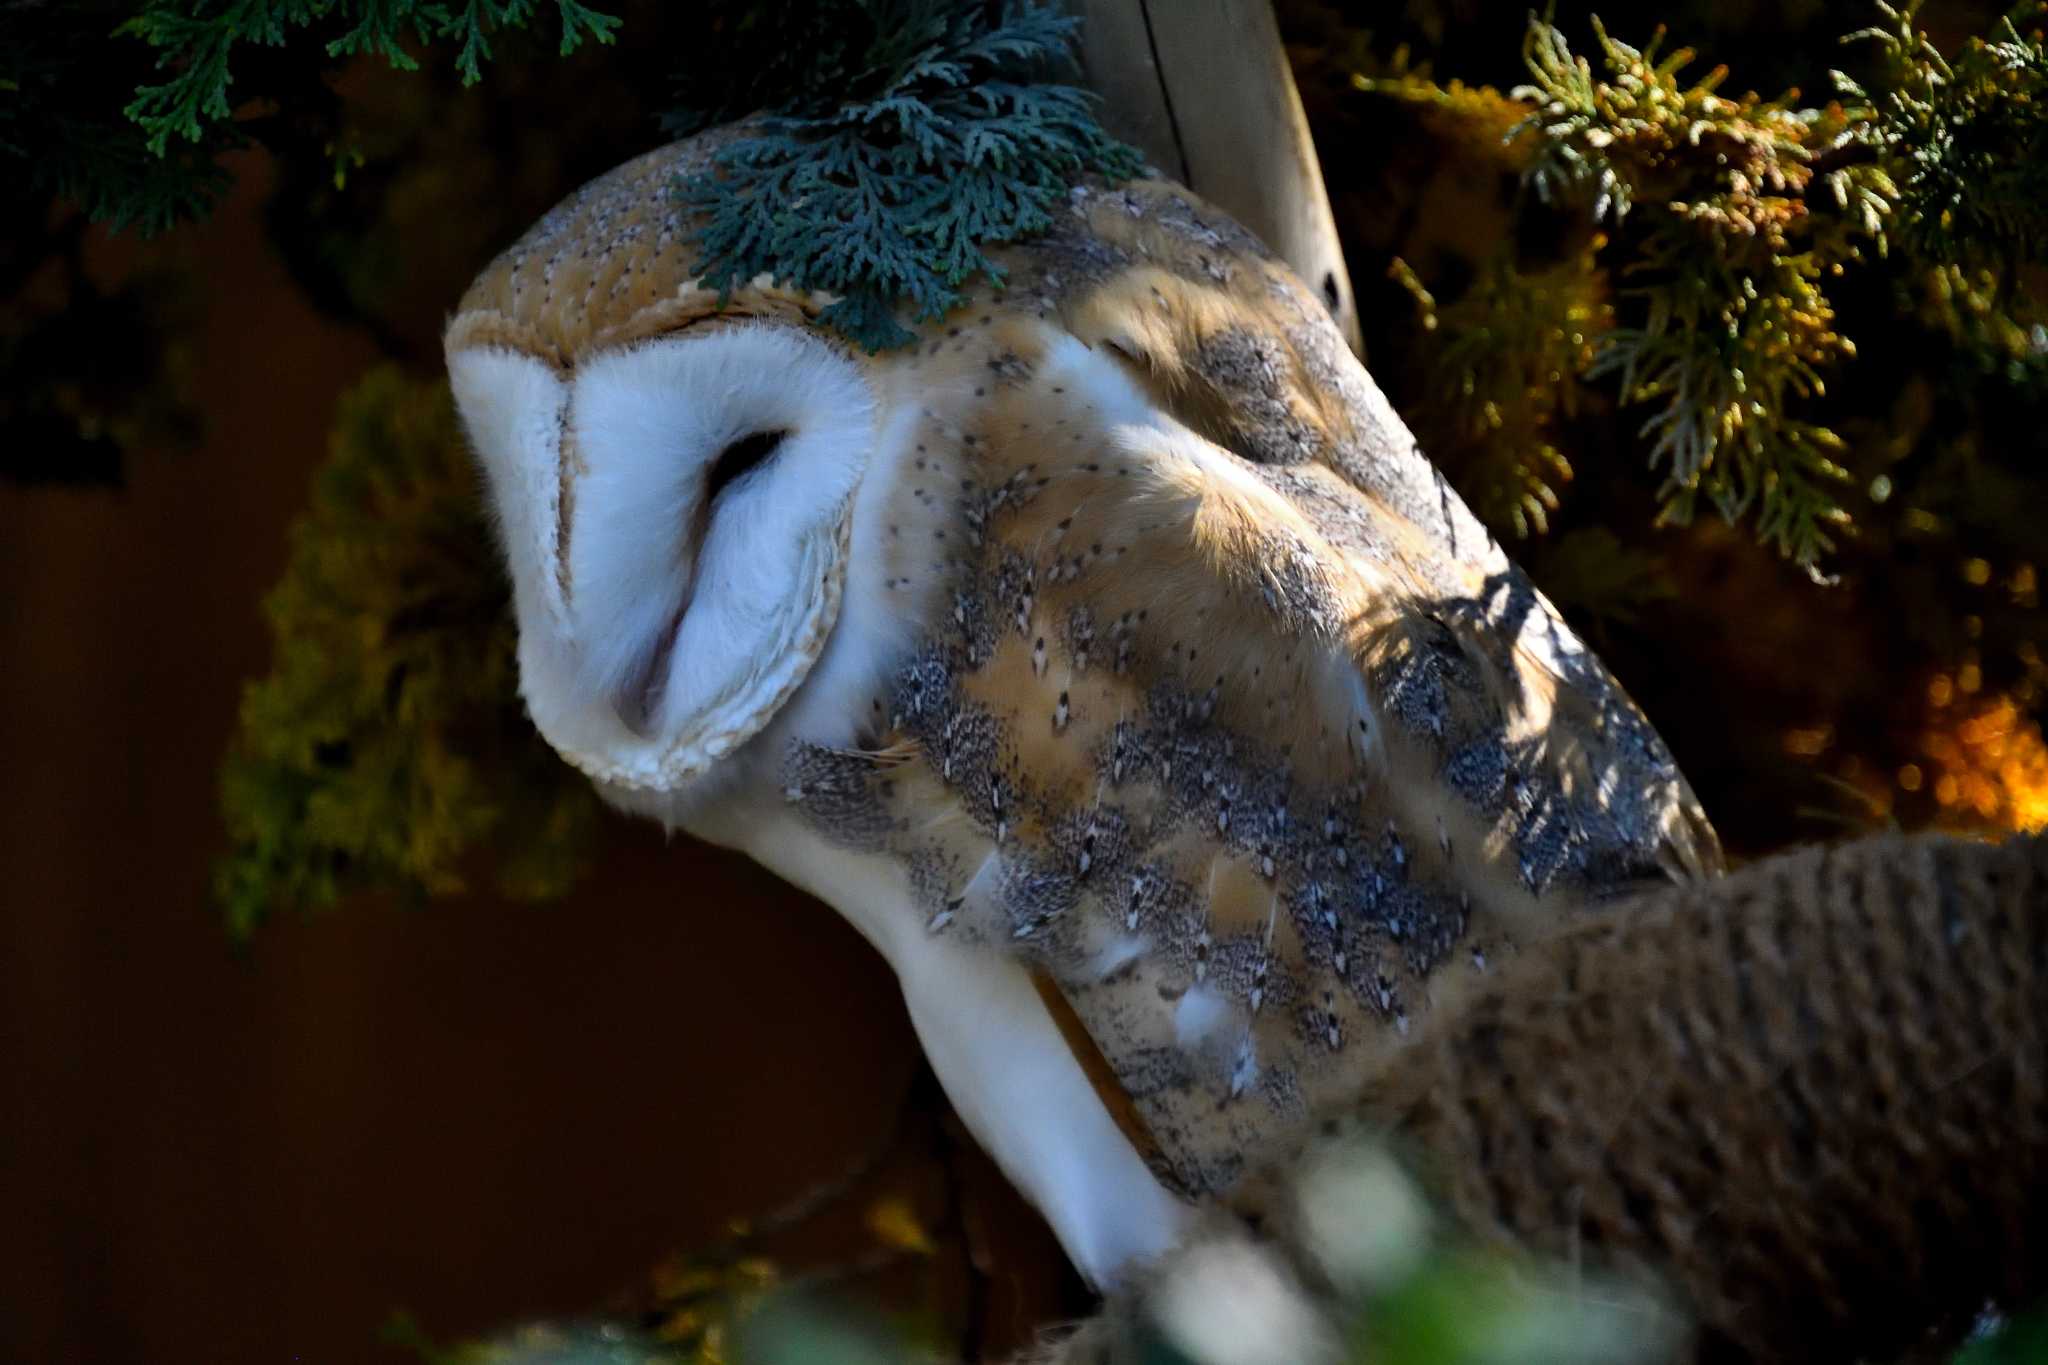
(1109, 657)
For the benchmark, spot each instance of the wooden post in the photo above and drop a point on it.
(1203, 88)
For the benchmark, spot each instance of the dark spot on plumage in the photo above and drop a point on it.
(840, 794)
(1482, 772)
(1009, 368)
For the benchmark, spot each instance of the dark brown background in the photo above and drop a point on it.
(473, 1112)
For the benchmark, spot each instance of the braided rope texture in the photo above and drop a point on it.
(1813, 1096)
(1809, 1098)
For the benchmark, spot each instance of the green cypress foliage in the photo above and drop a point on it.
(916, 135)
(196, 44)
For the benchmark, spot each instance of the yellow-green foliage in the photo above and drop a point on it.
(388, 741)
(1506, 358)
(1736, 326)
(1724, 223)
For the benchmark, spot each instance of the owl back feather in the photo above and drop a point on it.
(1243, 791)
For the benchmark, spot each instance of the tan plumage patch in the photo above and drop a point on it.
(1246, 795)
(610, 265)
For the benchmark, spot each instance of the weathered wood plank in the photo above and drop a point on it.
(1203, 88)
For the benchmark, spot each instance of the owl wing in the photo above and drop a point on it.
(1229, 719)
(1231, 344)
(1243, 760)
(1227, 340)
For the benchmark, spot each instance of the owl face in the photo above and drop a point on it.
(676, 514)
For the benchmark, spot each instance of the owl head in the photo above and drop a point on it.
(672, 480)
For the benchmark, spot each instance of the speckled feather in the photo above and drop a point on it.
(1221, 709)
(1242, 781)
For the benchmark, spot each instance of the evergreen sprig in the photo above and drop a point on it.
(63, 136)
(1736, 329)
(926, 133)
(196, 42)
(1728, 225)
(1965, 135)
(1966, 143)
(1506, 361)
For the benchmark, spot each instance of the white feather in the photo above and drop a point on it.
(1202, 1015)
(650, 422)
(1099, 382)
(512, 405)
(1001, 1057)
(1119, 952)
(876, 627)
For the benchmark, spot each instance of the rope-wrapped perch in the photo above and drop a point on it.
(1812, 1097)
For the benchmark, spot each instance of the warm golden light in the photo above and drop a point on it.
(1807, 743)
(1992, 761)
